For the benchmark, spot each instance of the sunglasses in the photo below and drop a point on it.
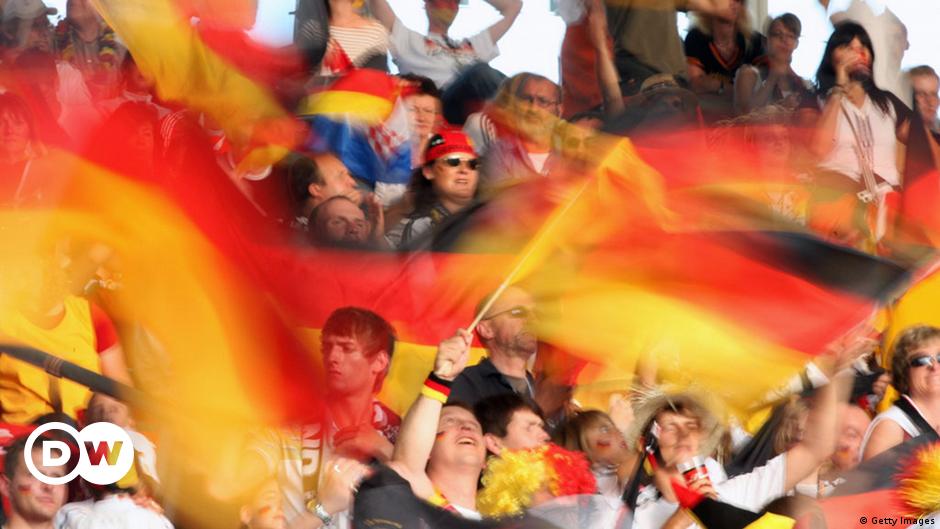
(515, 312)
(538, 101)
(472, 163)
(924, 360)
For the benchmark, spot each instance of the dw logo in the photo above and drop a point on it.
(106, 453)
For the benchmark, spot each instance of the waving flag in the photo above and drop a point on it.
(362, 120)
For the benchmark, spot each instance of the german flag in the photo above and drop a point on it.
(880, 489)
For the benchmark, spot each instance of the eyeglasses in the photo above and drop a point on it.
(924, 360)
(783, 35)
(472, 163)
(538, 101)
(515, 312)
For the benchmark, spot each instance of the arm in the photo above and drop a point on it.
(885, 435)
(607, 76)
(710, 7)
(383, 13)
(510, 10)
(745, 99)
(418, 430)
(113, 364)
(340, 480)
(825, 136)
(819, 442)
(703, 83)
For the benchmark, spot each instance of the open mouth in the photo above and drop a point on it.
(467, 440)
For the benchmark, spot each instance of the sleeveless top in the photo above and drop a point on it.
(897, 416)
(26, 391)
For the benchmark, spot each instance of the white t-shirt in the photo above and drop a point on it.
(115, 512)
(469, 514)
(751, 491)
(538, 159)
(436, 56)
(872, 123)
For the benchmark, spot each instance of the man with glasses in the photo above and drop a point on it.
(926, 85)
(515, 131)
(508, 334)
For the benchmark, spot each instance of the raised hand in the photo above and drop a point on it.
(452, 355)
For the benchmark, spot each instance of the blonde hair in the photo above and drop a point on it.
(742, 25)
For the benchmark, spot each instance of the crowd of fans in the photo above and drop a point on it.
(503, 439)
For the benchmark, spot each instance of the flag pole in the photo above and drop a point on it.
(536, 243)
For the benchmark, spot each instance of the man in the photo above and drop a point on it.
(33, 504)
(676, 428)
(423, 101)
(102, 408)
(510, 423)
(926, 85)
(646, 38)
(515, 132)
(263, 509)
(507, 333)
(441, 451)
(854, 423)
(312, 180)
(458, 68)
(50, 318)
(357, 346)
(340, 222)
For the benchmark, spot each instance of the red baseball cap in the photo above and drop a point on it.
(447, 142)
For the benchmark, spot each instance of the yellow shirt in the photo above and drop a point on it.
(24, 388)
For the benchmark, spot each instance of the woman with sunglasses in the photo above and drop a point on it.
(445, 185)
(915, 371)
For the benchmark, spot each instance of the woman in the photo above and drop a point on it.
(593, 432)
(423, 102)
(24, 163)
(716, 47)
(773, 81)
(915, 372)
(444, 186)
(355, 41)
(856, 139)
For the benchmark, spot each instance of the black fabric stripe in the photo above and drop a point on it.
(821, 263)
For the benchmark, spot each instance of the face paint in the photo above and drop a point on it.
(24, 490)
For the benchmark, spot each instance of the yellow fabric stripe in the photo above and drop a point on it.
(168, 50)
(365, 107)
(772, 521)
(433, 394)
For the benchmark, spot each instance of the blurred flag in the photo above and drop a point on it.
(168, 48)
(871, 490)
(918, 213)
(621, 268)
(362, 119)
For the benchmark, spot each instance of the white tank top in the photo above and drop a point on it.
(897, 416)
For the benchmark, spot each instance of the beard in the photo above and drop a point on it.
(525, 342)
